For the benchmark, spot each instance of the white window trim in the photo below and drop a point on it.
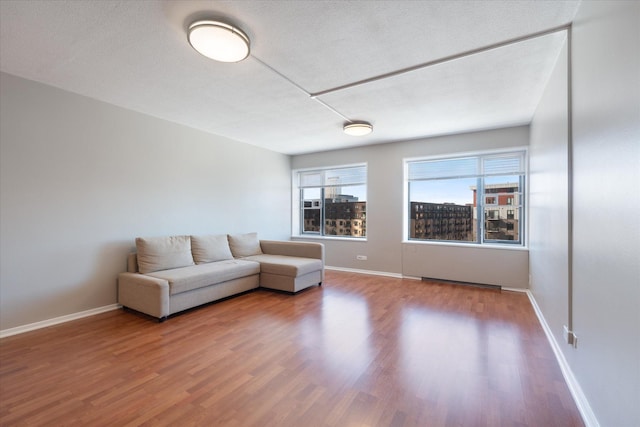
(405, 199)
(295, 203)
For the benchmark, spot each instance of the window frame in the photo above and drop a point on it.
(481, 206)
(297, 223)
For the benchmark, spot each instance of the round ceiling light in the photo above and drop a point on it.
(357, 128)
(219, 41)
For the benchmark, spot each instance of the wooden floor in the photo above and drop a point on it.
(359, 351)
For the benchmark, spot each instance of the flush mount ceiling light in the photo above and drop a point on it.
(357, 128)
(219, 41)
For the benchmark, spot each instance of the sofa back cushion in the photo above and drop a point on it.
(163, 253)
(210, 248)
(243, 245)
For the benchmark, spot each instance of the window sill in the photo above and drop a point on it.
(514, 247)
(342, 239)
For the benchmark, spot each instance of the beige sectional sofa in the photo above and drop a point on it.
(170, 274)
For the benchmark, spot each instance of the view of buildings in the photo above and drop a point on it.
(441, 221)
(501, 211)
(344, 215)
(449, 221)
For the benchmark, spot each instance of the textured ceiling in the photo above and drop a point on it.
(135, 54)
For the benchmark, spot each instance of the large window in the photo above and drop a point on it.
(475, 199)
(333, 202)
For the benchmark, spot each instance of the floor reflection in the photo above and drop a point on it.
(345, 331)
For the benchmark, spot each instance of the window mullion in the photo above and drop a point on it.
(302, 212)
(480, 211)
(521, 207)
(322, 215)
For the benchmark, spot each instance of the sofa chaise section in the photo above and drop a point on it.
(290, 266)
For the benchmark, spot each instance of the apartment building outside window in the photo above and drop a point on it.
(472, 199)
(333, 201)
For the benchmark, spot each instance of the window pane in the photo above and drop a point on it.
(310, 179)
(345, 211)
(333, 201)
(442, 209)
(501, 224)
(355, 175)
(503, 190)
(311, 194)
(311, 205)
(477, 199)
(445, 168)
(311, 221)
(501, 219)
(345, 176)
(503, 164)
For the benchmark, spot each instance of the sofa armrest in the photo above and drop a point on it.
(291, 248)
(147, 294)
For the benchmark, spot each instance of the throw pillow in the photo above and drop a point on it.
(163, 253)
(210, 248)
(243, 245)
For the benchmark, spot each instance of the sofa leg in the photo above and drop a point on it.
(320, 284)
(162, 319)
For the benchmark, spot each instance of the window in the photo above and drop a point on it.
(447, 196)
(333, 202)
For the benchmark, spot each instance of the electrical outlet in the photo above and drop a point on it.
(361, 257)
(567, 335)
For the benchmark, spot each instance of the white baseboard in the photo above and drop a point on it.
(372, 272)
(522, 290)
(57, 320)
(578, 395)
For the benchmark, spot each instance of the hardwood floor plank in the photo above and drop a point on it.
(359, 351)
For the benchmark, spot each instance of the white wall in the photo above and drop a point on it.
(80, 179)
(384, 247)
(549, 201)
(606, 202)
(465, 263)
(606, 265)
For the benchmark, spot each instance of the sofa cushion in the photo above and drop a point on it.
(243, 245)
(162, 253)
(286, 265)
(210, 248)
(198, 276)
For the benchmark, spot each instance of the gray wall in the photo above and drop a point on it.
(549, 201)
(606, 85)
(384, 246)
(606, 202)
(80, 179)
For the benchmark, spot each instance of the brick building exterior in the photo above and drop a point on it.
(441, 221)
(344, 215)
(502, 212)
